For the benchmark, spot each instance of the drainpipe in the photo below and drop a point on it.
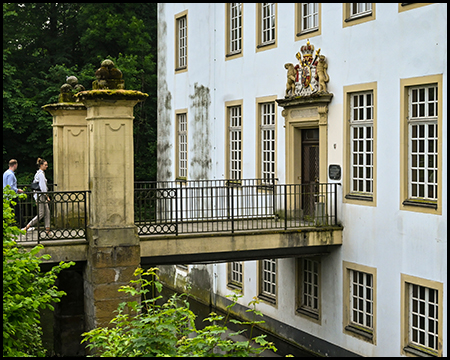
(214, 289)
(214, 95)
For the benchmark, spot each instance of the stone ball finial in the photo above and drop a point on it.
(108, 77)
(72, 80)
(68, 89)
(107, 63)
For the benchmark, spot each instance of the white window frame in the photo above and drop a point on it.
(182, 42)
(268, 141)
(310, 300)
(235, 145)
(423, 143)
(361, 304)
(268, 279)
(182, 145)
(310, 16)
(360, 9)
(268, 26)
(236, 273)
(235, 35)
(420, 321)
(361, 143)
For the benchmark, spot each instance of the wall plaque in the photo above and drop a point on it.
(334, 172)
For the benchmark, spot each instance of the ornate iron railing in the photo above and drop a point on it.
(182, 207)
(67, 212)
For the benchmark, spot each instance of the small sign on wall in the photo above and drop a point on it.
(334, 172)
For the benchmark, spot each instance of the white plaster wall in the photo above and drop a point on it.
(394, 46)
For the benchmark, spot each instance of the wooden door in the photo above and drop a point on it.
(310, 169)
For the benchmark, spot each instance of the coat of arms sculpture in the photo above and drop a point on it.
(309, 76)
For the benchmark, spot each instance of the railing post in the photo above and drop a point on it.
(85, 212)
(232, 210)
(181, 201)
(335, 203)
(285, 206)
(176, 211)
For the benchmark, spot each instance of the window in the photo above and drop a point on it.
(307, 19)
(359, 136)
(267, 139)
(235, 274)
(308, 301)
(268, 280)
(359, 301)
(360, 9)
(235, 137)
(234, 30)
(357, 13)
(181, 41)
(421, 316)
(182, 154)
(420, 153)
(266, 23)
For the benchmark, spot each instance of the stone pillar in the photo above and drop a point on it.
(114, 250)
(70, 151)
(70, 146)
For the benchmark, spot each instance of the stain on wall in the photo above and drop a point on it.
(164, 161)
(200, 148)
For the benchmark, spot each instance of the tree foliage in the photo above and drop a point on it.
(43, 43)
(25, 289)
(148, 329)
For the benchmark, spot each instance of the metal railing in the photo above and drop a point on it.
(67, 211)
(182, 207)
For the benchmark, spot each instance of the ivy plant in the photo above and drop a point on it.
(146, 328)
(26, 289)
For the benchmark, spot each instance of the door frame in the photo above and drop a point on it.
(305, 113)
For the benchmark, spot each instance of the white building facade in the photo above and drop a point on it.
(221, 70)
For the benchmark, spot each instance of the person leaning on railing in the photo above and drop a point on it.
(44, 199)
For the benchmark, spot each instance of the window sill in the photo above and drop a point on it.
(357, 17)
(181, 68)
(235, 286)
(359, 197)
(421, 203)
(265, 44)
(419, 351)
(361, 331)
(268, 299)
(233, 54)
(308, 31)
(234, 183)
(309, 313)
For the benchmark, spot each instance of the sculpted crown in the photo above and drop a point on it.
(307, 50)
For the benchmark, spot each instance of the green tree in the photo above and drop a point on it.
(148, 329)
(43, 43)
(25, 289)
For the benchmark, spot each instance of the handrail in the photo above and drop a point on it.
(166, 207)
(68, 215)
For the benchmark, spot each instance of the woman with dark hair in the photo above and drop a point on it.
(44, 210)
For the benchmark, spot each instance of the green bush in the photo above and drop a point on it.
(148, 329)
(25, 288)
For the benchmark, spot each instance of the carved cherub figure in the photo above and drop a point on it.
(322, 72)
(290, 84)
